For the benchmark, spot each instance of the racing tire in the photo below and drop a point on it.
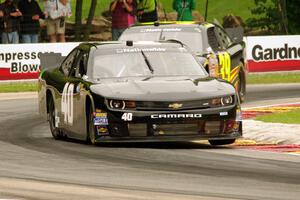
(242, 86)
(51, 116)
(91, 132)
(221, 142)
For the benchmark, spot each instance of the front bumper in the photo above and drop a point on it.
(165, 126)
(182, 138)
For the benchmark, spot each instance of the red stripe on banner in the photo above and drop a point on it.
(6, 75)
(269, 66)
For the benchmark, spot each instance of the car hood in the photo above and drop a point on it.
(162, 88)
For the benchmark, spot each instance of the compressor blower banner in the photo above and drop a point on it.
(21, 61)
(273, 53)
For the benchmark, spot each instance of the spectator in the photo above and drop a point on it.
(57, 11)
(1, 27)
(10, 22)
(122, 16)
(146, 11)
(30, 25)
(184, 9)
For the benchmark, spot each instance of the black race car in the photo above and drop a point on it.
(137, 91)
(221, 56)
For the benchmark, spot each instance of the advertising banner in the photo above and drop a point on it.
(273, 53)
(21, 61)
(263, 53)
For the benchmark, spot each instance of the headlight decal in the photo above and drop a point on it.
(228, 100)
(222, 101)
(117, 104)
(121, 104)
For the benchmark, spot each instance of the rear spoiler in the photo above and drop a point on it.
(236, 34)
(50, 60)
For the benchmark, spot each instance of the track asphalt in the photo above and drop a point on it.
(275, 137)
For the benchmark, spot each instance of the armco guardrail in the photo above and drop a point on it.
(263, 53)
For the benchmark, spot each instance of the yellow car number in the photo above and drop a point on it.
(225, 66)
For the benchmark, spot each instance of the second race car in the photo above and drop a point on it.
(221, 56)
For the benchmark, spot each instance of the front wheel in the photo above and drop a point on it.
(91, 127)
(52, 120)
(221, 142)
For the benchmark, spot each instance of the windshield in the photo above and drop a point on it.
(150, 64)
(192, 39)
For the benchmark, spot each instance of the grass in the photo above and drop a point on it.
(216, 9)
(269, 78)
(18, 87)
(291, 117)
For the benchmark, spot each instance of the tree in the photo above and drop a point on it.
(78, 20)
(90, 18)
(267, 17)
(293, 16)
(275, 16)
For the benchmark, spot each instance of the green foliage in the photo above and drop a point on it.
(271, 15)
(267, 16)
(293, 15)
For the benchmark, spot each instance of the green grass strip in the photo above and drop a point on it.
(18, 87)
(284, 77)
(290, 117)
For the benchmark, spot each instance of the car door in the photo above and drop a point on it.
(75, 97)
(61, 81)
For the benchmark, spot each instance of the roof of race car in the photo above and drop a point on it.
(172, 24)
(169, 26)
(158, 23)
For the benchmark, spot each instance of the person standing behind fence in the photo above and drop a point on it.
(56, 12)
(10, 22)
(184, 9)
(1, 27)
(122, 16)
(30, 25)
(147, 11)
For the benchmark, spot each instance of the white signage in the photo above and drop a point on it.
(21, 60)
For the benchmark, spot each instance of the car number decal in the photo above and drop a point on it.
(225, 65)
(67, 103)
(127, 116)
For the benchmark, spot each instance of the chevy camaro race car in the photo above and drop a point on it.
(137, 91)
(219, 54)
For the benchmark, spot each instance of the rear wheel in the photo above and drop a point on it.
(242, 84)
(242, 88)
(221, 142)
(52, 120)
(91, 127)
